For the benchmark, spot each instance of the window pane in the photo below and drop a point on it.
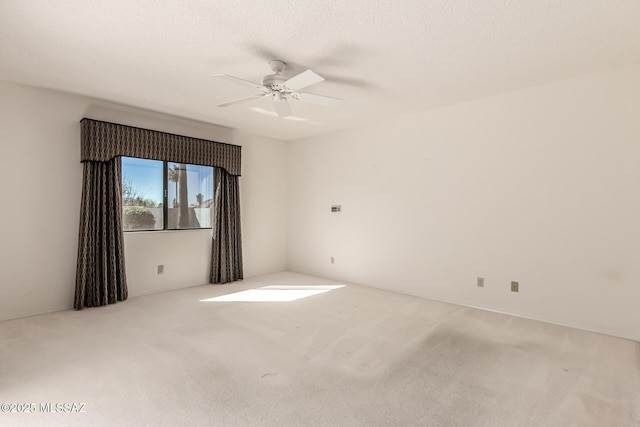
(190, 194)
(141, 194)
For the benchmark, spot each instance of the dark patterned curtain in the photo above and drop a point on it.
(226, 262)
(100, 275)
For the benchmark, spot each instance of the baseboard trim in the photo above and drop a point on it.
(568, 324)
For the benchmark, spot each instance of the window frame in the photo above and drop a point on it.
(165, 197)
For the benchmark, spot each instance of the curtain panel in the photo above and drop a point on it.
(100, 273)
(226, 262)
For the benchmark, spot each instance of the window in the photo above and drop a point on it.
(160, 195)
(142, 194)
(190, 197)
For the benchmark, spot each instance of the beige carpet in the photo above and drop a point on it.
(351, 356)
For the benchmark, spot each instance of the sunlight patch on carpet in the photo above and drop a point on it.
(274, 293)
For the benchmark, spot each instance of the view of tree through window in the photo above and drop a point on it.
(189, 196)
(183, 201)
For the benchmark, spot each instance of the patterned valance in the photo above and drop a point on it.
(102, 141)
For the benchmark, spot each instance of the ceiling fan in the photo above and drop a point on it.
(282, 89)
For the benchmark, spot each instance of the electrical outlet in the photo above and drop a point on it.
(332, 260)
(160, 268)
(514, 286)
(481, 282)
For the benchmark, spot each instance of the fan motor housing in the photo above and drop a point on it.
(274, 81)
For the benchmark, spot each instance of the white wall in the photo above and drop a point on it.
(541, 186)
(41, 179)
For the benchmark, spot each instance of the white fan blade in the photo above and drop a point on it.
(304, 79)
(240, 81)
(282, 108)
(318, 99)
(235, 101)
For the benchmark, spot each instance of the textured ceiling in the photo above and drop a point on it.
(385, 58)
